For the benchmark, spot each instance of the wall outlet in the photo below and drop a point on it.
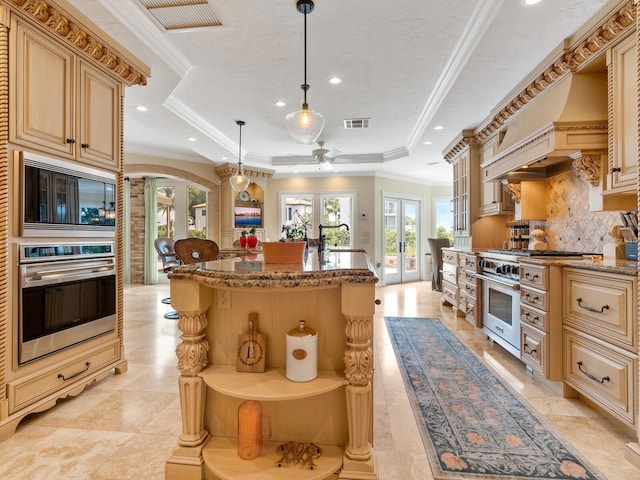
(223, 296)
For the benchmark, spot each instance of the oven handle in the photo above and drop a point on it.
(72, 270)
(515, 286)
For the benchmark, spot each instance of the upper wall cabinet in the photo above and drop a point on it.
(494, 201)
(466, 195)
(623, 116)
(60, 103)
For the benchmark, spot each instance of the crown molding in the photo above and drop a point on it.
(72, 32)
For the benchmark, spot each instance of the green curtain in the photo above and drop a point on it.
(150, 231)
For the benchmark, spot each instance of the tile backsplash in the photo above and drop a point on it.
(570, 224)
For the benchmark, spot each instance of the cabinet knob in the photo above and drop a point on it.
(378, 301)
(85, 145)
(70, 140)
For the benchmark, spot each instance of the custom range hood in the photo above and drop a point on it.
(565, 122)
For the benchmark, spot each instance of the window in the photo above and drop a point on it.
(315, 209)
(197, 212)
(443, 218)
(166, 212)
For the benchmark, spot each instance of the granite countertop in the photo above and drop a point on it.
(624, 267)
(250, 271)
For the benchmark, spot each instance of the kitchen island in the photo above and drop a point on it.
(335, 295)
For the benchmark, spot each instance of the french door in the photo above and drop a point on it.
(401, 222)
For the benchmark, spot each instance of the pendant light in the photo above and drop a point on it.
(239, 182)
(305, 125)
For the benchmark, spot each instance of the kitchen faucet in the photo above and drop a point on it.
(322, 237)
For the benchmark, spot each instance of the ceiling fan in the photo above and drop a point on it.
(326, 158)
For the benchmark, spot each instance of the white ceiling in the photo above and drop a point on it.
(408, 65)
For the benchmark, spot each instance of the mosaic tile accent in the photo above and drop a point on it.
(570, 224)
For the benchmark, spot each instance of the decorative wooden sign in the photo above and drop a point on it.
(252, 348)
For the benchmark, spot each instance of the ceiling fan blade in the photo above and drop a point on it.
(333, 153)
(360, 158)
(291, 160)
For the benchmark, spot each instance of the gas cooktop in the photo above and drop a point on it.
(539, 253)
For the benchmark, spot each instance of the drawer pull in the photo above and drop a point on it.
(533, 277)
(590, 309)
(604, 379)
(86, 367)
(530, 352)
(533, 320)
(534, 299)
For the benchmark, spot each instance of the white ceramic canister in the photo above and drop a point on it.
(302, 353)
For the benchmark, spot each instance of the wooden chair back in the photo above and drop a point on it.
(196, 250)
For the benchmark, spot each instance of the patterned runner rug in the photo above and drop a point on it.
(472, 425)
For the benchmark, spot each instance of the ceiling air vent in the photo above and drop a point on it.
(181, 14)
(351, 123)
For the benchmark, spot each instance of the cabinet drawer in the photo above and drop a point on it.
(535, 317)
(449, 257)
(449, 293)
(534, 275)
(471, 289)
(533, 297)
(470, 277)
(469, 262)
(533, 348)
(601, 304)
(450, 277)
(604, 374)
(28, 390)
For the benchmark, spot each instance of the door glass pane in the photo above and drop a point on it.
(197, 212)
(337, 210)
(297, 214)
(390, 237)
(409, 243)
(444, 219)
(166, 213)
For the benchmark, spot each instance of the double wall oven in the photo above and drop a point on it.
(66, 255)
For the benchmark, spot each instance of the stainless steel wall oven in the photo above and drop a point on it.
(67, 296)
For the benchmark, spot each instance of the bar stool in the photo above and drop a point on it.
(165, 247)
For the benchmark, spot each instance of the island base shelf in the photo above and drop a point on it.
(221, 459)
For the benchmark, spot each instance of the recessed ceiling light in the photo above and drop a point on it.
(335, 80)
(438, 127)
(280, 103)
(192, 139)
(428, 142)
(223, 158)
(141, 108)
(530, 2)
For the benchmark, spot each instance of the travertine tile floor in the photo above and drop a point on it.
(125, 426)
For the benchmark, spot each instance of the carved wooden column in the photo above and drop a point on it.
(359, 462)
(186, 463)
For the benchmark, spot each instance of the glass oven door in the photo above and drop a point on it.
(501, 313)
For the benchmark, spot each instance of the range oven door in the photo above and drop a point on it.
(63, 303)
(501, 312)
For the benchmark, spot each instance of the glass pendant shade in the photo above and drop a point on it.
(305, 125)
(239, 182)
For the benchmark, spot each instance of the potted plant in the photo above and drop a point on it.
(243, 239)
(252, 240)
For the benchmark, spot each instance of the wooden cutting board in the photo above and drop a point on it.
(252, 348)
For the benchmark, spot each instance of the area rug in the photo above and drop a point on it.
(472, 425)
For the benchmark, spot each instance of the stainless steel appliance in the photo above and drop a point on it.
(500, 279)
(65, 199)
(67, 296)
(499, 272)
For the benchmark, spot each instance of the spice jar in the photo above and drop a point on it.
(302, 353)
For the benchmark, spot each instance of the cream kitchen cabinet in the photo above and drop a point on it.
(540, 318)
(466, 191)
(62, 104)
(601, 341)
(468, 283)
(493, 197)
(623, 117)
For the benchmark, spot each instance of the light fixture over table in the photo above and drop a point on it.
(305, 125)
(239, 182)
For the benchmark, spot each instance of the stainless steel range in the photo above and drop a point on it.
(499, 272)
(500, 287)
